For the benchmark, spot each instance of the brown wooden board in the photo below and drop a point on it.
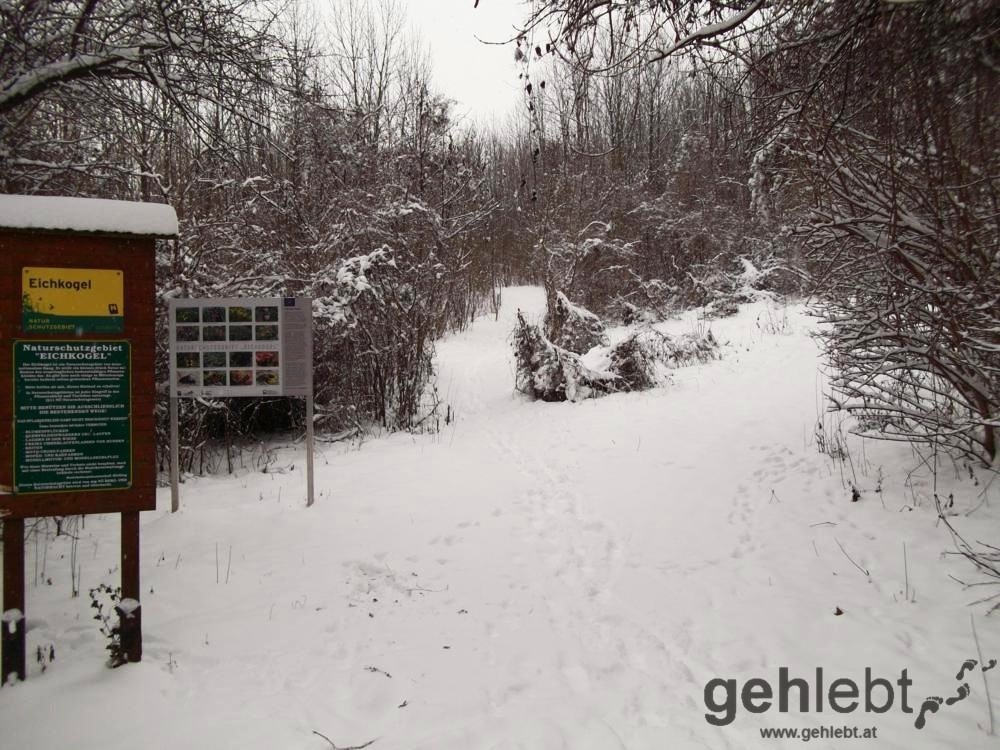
(134, 256)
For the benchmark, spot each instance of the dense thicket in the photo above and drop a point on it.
(667, 154)
(334, 173)
(873, 141)
(897, 142)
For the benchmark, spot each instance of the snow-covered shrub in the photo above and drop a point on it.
(549, 372)
(573, 327)
(723, 306)
(630, 313)
(641, 360)
(106, 601)
(723, 290)
(635, 360)
(375, 331)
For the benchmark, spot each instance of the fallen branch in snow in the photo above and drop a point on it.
(336, 438)
(411, 589)
(337, 747)
(986, 599)
(966, 585)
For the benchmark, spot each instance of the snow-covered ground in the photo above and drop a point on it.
(534, 576)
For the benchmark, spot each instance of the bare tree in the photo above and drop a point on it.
(367, 57)
(65, 65)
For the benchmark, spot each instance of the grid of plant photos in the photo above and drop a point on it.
(247, 341)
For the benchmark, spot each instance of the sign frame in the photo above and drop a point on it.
(291, 343)
(24, 249)
(265, 341)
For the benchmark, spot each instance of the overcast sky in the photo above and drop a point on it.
(481, 78)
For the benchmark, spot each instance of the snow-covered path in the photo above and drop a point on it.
(534, 576)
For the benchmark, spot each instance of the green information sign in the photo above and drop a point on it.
(72, 416)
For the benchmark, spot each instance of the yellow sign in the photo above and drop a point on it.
(72, 300)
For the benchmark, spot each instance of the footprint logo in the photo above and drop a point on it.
(968, 666)
(933, 703)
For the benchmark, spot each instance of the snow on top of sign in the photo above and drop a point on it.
(57, 213)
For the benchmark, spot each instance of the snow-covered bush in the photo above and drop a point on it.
(641, 360)
(721, 290)
(107, 602)
(377, 314)
(549, 372)
(573, 327)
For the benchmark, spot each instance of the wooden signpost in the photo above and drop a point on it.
(77, 388)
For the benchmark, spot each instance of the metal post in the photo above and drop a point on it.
(309, 407)
(14, 659)
(175, 491)
(309, 448)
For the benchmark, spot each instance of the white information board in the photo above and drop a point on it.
(241, 346)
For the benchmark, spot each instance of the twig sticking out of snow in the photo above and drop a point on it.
(986, 684)
(851, 558)
(906, 575)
